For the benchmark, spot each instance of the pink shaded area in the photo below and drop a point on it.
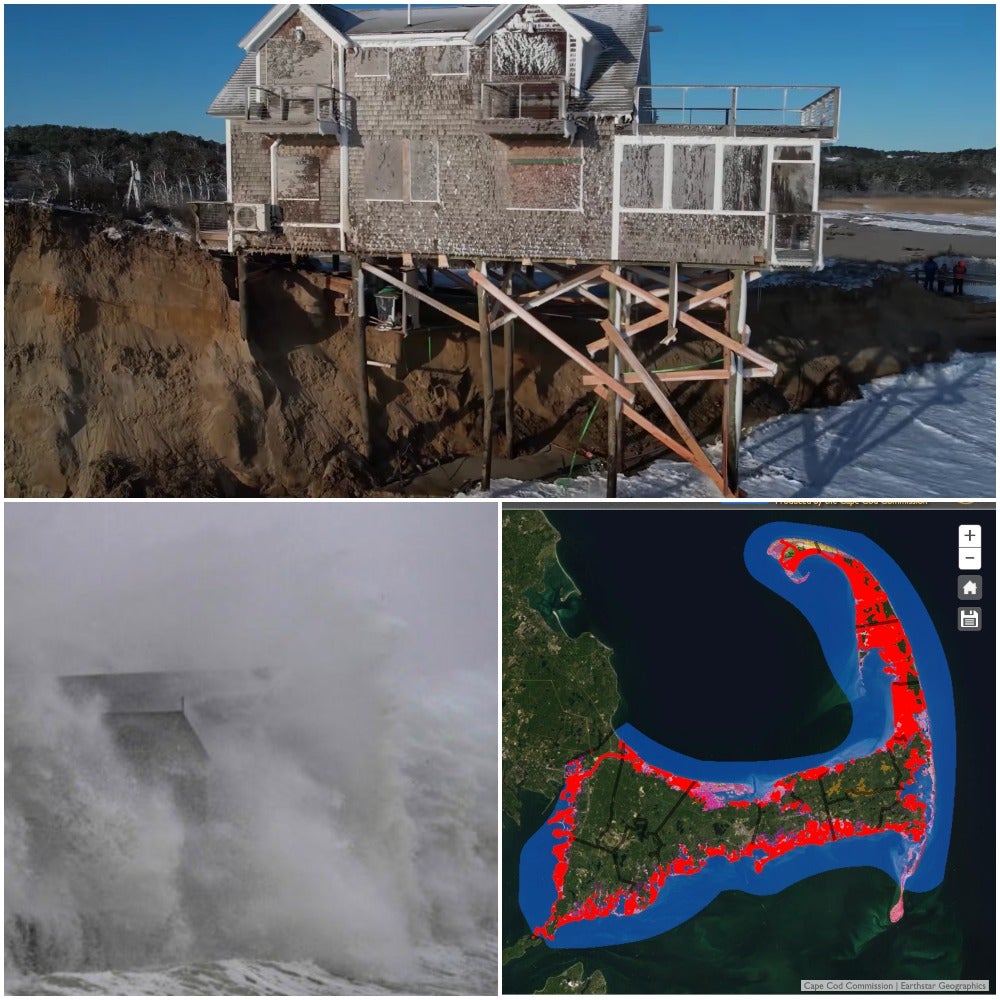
(896, 913)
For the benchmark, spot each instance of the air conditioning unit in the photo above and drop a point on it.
(252, 218)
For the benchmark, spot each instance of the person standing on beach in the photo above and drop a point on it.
(930, 269)
(959, 278)
(942, 277)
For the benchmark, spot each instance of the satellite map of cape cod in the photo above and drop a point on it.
(616, 845)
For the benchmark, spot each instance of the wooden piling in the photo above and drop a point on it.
(508, 375)
(241, 283)
(486, 362)
(361, 344)
(732, 408)
(614, 402)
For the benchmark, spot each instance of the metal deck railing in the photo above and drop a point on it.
(301, 105)
(715, 108)
(544, 100)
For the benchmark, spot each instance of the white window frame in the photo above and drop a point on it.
(468, 62)
(407, 172)
(358, 75)
(719, 142)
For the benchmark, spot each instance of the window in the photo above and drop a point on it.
(793, 153)
(528, 54)
(448, 60)
(373, 62)
(545, 175)
(693, 180)
(642, 176)
(298, 176)
(743, 178)
(405, 170)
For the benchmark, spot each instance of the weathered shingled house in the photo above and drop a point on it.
(516, 134)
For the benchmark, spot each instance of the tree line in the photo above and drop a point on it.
(106, 168)
(109, 169)
(968, 173)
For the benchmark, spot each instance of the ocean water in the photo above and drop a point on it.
(349, 844)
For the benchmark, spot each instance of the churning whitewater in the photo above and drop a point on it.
(317, 816)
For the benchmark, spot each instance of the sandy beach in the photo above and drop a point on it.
(932, 206)
(904, 230)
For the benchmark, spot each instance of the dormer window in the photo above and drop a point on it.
(522, 54)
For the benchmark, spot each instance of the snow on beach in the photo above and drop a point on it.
(929, 432)
(914, 222)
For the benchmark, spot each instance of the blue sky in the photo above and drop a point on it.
(917, 76)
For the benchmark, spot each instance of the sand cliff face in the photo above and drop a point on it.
(126, 375)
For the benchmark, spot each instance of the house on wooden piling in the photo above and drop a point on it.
(509, 132)
(519, 135)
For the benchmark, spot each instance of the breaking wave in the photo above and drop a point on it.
(349, 843)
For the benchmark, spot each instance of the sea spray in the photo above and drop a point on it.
(351, 821)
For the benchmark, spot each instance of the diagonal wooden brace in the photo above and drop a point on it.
(698, 456)
(420, 296)
(729, 344)
(571, 352)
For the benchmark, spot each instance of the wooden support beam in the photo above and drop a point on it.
(705, 296)
(661, 316)
(541, 297)
(361, 355)
(630, 286)
(732, 408)
(582, 290)
(410, 308)
(699, 458)
(650, 428)
(421, 296)
(571, 352)
(723, 341)
(674, 289)
(459, 279)
(701, 375)
(241, 282)
(614, 403)
(486, 362)
(508, 370)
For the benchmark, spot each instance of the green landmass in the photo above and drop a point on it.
(629, 824)
(559, 693)
(519, 949)
(574, 980)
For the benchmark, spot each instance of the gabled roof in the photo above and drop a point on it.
(621, 29)
(501, 14)
(612, 33)
(324, 16)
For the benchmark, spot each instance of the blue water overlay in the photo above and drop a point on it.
(825, 598)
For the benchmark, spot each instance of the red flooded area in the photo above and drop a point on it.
(877, 628)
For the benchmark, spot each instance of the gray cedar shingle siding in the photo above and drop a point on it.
(426, 175)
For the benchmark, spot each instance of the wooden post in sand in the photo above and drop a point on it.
(241, 286)
(361, 345)
(486, 361)
(508, 374)
(732, 407)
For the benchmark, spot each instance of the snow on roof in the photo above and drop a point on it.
(619, 30)
(231, 101)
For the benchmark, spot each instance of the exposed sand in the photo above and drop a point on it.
(918, 206)
(849, 240)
